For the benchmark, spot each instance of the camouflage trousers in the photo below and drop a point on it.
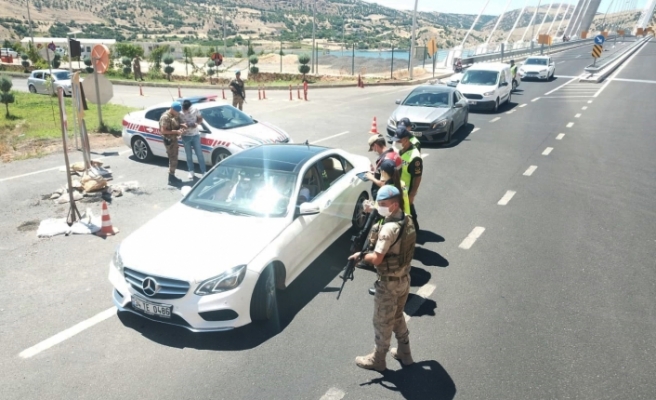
(238, 102)
(172, 153)
(389, 301)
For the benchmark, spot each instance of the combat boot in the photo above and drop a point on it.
(375, 361)
(403, 353)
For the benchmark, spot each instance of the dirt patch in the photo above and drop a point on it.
(28, 226)
(12, 149)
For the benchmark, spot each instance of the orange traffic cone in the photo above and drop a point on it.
(179, 93)
(374, 127)
(223, 91)
(106, 228)
(140, 90)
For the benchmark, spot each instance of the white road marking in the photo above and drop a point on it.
(535, 99)
(570, 124)
(476, 129)
(510, 112)
(560, 136)
(424, 155)
(413, 305)
(333, 394)
(568, 97)
(523, 105)
(584, 108)
(626, 62)
(578, 56)
(589, 101)
(577, 116)
(530, 170)
(632, 80)
(506, 198)
(329, 137)
(52, 169)
(68, 333)
(547, 151)
(495, 119)
(471, 238)
(563, 85)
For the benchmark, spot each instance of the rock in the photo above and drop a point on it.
(77, 195)
(94, 185)
(77, 184)
(77, 167)
(130, 186)
(96, 163)
(55, 196)
(117, 191)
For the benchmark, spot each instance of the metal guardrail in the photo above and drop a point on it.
(593, 68)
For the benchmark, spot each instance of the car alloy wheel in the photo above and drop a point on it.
(496, 105)
(264, 302)
(141, 150)
(32, 89)
(359, 216)
(219, 155)
(449, 133)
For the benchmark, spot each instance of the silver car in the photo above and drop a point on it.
(435, 111)
(36, 83)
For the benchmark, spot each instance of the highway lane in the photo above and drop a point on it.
(475, 345)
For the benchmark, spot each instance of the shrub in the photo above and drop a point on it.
(6, 96)
(168, 60)
(304, 68)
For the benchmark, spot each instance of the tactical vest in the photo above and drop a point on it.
(407, 158)
(397, 265)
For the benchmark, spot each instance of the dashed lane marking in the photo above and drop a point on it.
(68, 333)
(476, 129)
(424, 155)
(471, 238)
(333, 394)
(422, 294)
(584, 108)
(547, 151)
(506, 197)
(510, 112)
(589, 101)
(530, 170)
(495, 119)
(523, 105)
(577, 115)
(560, 136)
(535, 99)
(330, 137)
(570, 124)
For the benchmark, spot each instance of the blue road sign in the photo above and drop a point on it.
(599, 39)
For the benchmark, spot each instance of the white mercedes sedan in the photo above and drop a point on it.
(215, 260)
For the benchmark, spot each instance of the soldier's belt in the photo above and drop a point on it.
(390, 278)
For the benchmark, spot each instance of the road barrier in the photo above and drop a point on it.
(595, 69)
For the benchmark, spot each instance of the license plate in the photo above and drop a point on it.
(472, 102)
(146, 307)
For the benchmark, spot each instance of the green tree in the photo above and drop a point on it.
(33, 53)
(7, 44)
(6, 96)
(127, 66)
(87, 62)
(254, 60)
(56, 61)
(26, 62)
(156, 56)
(129, 50)
(304, 68)
(168, 70)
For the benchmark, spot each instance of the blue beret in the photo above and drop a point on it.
(387, 192)
(176, 106)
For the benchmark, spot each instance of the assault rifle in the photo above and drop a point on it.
(359, 243)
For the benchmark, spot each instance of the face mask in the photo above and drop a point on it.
(384, 211)
(398, 146)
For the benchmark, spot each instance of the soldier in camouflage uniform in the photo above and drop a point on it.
(391, 249)
(238, 93)
(170, 128)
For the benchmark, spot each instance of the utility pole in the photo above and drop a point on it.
(314, 24)
(29, 21)
(412, 37)
(225, 46)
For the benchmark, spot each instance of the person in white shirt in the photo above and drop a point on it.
(191, 138)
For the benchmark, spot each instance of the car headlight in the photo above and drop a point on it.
(521, 71)
(117, 261)
(489, 94)
(544, 71)
(224, 282)
(439, 124)
(391, 122)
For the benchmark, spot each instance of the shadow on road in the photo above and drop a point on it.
(424, 380)
(290, 301)
(458, 137)
(430, 258)
(424, 236)
(427, 307)
(419, 277)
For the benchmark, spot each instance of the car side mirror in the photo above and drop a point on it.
(503, 84)
(184, 191)
(308, 209)
(457, 105)
(398, 101)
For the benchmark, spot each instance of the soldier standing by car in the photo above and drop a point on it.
(391, 250)
(170, 127)
(413, 167)
(413, 139)
(238, 93)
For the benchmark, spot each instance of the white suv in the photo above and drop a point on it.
(486, 85)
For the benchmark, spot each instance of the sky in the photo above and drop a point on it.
(495, 7)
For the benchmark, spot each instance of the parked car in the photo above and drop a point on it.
(36, 83)
(539, 67)
(435, 111)
(8, 52)
(247, 230)
(225, 131)
(486, 85)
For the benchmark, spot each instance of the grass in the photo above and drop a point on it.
(34, 120)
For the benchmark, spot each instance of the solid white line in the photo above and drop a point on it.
(578, 56)
(333, 394)
(570, 124)
(632, 80)
(476, 129)
(547, 151)
(568, 97)
(584, 108)
(560, 136)
(523, 105)
(601, 89)
(495, 119)
(471, 238)
(563, 85)
(422, 294)
(329, 137)
(530, 170)
(506, 198)
(577, 116)
(535, 99)
(626, 62)
(68, 333)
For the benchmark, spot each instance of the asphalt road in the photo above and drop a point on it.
(552, 297)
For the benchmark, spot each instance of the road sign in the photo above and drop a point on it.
(104, 93)
(599, 39)
(597, 50)
(100, 57)
(431, 47)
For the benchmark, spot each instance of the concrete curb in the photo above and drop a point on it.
(613, 66)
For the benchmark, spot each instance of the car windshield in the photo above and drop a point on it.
(536, 61)
(427, 99)
(225, 117)
(486, 78)
(248, 191)
(62, 76)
